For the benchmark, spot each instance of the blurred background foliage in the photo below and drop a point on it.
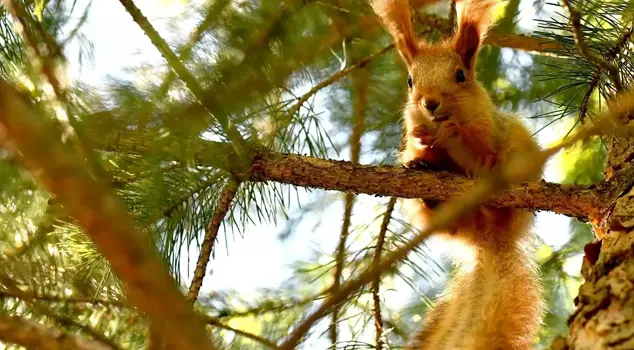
(254, 60)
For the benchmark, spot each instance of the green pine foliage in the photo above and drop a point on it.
(255, 60)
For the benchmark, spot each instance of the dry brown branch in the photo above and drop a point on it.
(582, 46)
(222, 208)
(572, 200)
(515, 169)
(583, 108)
(33, 335)
(360, 89)
(596, 75)
(266, 342)
(104, 218)
(179, 68)
(376, 284)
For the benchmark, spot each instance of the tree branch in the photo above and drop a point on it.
(359, 92)
(577, 201)
(33, 335)
(103, 216)
(211, 17)
(266, 342)
(572, 200)
(523, 42)
(378, 320)
(179, 68)
(582, 46)
(223, 206)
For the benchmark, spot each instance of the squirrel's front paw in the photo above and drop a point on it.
(419, 164)
(423, 135)
(447, 129)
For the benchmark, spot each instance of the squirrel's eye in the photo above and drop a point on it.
(410, 83)
(460, 76)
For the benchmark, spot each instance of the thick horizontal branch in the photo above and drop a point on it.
(572, 200)
(59, 299)
(33, 335)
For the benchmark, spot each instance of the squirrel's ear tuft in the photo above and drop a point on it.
(474, 19)
(396, 18)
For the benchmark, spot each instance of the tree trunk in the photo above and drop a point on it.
(604, 318)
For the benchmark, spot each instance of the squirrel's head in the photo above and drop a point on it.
(442, 80)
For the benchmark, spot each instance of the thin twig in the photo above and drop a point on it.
(596, 76)
(102, 214)
(179, 68)
(88, 330)
(266, 342)
(583, 108)
(515, 169)
(376, 284)
(177, 203)
(360, 86)
(333, 79)
(584, 50)
(222, 208)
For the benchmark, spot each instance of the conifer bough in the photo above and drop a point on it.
(33, 335)
(578, 201)
(103, 216)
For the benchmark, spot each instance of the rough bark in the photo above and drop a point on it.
(572, 200)
(222, 208)
(604, 317)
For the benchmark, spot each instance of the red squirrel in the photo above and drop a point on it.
(494, 301)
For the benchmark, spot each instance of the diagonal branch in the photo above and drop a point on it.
(213, 13)
(223, 206)
(103, 216)
(33, 335)
(360, 86)
(572, 200)
(584, 50)
(179, 68)
(378, 320)
(266, 342)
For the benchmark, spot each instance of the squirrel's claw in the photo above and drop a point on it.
(423, 135)
(419, 164)
(448, 129)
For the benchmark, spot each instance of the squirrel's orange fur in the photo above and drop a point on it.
(494, 301)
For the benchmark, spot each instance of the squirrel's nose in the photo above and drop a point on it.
(431, 104)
